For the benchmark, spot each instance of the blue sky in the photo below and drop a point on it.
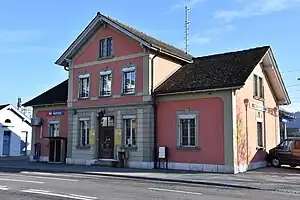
(34, 33)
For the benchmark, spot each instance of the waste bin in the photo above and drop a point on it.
(121, 156)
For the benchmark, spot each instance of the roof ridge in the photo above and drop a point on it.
(135, 29)
(233, 52)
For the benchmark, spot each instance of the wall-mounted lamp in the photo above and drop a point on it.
(246, 102)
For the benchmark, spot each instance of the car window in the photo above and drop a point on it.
(297, 144)
(286, 145)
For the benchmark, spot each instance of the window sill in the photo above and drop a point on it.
(83, 98)
(104, 96)
(83, 147)
(188, 148)
(260, 148)
(105, 58)
(258, 98)
(128, 94)
(129, 148)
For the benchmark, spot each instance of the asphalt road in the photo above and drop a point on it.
(33, 186)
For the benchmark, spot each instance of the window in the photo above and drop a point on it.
(107, 121)
(84, 86)
(84, 133)
(286, 145)
(297, 144)
(259, 134)
(53, 129)
(8, 121)
(106, 47)
(187, 131)
(258, 86)
(130, 132)
(128, 80)
(105, 83)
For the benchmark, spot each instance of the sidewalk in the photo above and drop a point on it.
(283, 179)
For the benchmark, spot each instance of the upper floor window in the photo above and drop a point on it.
(106, 47)
(7, 121)
(187, 135)
(84, 86)
(258, 86)
(105, 83)
(129, 80)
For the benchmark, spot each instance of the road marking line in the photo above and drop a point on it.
(177, 191)
(70, 196)
(87, 197)
(2, 187)
(45, 177)
(24, 181)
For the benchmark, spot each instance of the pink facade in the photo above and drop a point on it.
(122, 46)
(210, 130)
(46, 118)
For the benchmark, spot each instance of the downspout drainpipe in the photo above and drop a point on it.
(154, 108)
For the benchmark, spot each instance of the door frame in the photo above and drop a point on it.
(9, 141)
(62, 149)
(101, 130)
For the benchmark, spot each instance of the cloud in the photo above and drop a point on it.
(206, 37)
(256, 7)
(17, 36)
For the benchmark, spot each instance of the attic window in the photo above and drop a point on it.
(7, 121)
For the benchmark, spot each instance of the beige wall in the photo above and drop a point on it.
(270, 122)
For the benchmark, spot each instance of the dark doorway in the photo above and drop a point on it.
(106, 138)
(57, 149)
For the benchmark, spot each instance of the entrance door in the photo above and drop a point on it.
(56, 150)
(107, 143)
(6, 143)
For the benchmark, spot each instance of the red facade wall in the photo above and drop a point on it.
(210, 130)
(122, 45)
(63, 129)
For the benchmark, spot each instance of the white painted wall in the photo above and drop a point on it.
(17, 128)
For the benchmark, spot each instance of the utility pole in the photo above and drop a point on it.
(187, 23)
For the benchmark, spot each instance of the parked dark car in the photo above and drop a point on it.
(286, 153)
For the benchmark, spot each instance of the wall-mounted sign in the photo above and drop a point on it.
(257, 107)
(162, 152)
(56, 112)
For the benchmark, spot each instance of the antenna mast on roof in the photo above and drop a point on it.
(187, 23)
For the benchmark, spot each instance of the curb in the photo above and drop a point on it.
(12, 168)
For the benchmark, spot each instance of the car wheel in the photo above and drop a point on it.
(275, 162)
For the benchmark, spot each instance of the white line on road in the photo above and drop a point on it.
(70, 196)
(42, 177)
(177, 191)
(18, 180)
(2, 187)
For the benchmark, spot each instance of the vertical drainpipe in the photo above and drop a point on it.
(154, 108)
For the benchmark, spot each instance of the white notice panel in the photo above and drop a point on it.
(162, 152)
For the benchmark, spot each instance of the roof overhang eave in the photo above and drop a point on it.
(200, 91)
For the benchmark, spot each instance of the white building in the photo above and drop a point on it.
(15, 132)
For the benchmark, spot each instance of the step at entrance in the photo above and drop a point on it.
(106, 162)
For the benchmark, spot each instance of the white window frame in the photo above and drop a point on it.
(104, 53)
(124, 72)
(189, 117)
(258, 86)
(131, 118)
(105, 73)
(81, 123)
(81, 79)
(53, 123)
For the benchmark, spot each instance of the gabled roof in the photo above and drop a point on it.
(56, 95)
(142, 38)
(3, 106)
(17, 112)
(214, 72)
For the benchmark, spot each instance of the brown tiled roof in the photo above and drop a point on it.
(56, 95)
(214, 71)
(155, 42)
